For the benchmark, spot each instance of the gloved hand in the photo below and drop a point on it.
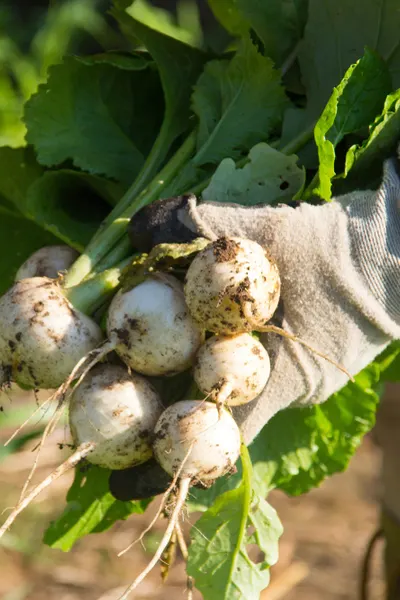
(340, 270)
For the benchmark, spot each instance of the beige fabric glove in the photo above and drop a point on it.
(340, 271)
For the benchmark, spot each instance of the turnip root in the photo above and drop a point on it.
(118, 411)
(232, 369)
(152, 329)
(192, 442)
(79, 454)
(42, 335)
(227, 276)
(49, 261)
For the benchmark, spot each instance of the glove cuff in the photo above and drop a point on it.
(374, 227)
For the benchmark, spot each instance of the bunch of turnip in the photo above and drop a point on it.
(155, 327)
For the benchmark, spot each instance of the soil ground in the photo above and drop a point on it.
(326, 533)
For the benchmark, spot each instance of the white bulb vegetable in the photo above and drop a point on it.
(42, 335)
(118, 411)
(193, 436)
(49, 261)
(232, 286)
(237, 367)
(153, 330)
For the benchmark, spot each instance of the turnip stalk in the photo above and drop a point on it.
(115, 225)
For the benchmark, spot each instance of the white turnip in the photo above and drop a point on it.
(232, 369)
(193, 441)
(118, 411)
(193, 438)
(112, 418)
(42, 335)
(49, 261)
(152, 329)
(232, 286)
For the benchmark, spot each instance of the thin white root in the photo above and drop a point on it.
(62, 396)
(82, 367)
(185, 554)
(291, 336)
(70, 463)
(51, 425)
(221, 396)
(162, 505)
(21, 427)
(180, 501)
(294, 338)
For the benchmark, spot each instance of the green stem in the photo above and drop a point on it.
(121, 250)
(107, 238)
(298, 142)
(147, 172)
(91, 294)
(309, 191)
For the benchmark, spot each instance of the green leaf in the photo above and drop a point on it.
(218, 557)
(101, 116)
(238, 102)
(278, 24)
(352, 105)
(71, 204)
(179, 66)
(163, 21)
(300, 447)
(365, 161)
(19, 238)
(335, 37)
(18, 170)
(389, 362)
(269, 176)
(90, 509)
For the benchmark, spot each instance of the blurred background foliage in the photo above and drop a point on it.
(36, 35)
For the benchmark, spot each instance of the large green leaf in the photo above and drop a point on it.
(18, 170)
(335, 37)
(164, 21)
(352, 105)
(239, 102)
(278, 24)
(299, 448)
(179, 66)
(218, 556)
(269, 176)
(101, 114)
(90, 509)
(71, 204)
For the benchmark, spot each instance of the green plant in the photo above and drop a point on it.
(110, 133)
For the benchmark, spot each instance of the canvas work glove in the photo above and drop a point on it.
(340, 269)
